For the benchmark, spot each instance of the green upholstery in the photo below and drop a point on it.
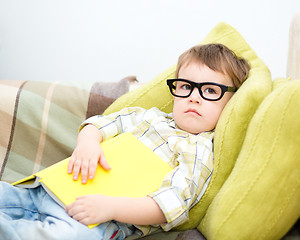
(260, 199)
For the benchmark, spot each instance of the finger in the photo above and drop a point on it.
(80, 216)
(78, 212)
(69, 208)
(92, 169)
(86, 221)
(74, 207)
(70, 165)
(76, 169)
(80, 198)
(104, 163)
(84, 171)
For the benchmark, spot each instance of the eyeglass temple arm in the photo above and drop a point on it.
(231, 89)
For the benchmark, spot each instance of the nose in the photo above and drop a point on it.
(195, 96)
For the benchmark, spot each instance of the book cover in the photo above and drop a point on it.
(135, 172)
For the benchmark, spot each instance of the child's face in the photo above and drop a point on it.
(195, 114)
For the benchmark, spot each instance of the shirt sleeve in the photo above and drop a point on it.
(184, 186)
(116, 123)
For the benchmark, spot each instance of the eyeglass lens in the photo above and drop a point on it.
(208, 91)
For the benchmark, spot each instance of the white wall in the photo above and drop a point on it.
(97, 40)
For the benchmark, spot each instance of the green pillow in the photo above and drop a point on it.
(231, 128)
(260, 199)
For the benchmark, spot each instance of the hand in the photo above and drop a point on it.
(85, 159)
(91, 209)
(87, 154)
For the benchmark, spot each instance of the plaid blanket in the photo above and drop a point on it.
(40, 120)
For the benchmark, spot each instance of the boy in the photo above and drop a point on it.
(206, 78)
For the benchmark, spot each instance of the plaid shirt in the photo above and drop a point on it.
(190, 156)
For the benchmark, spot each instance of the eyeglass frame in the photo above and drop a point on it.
(224, 88)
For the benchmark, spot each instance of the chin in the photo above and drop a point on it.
(191, 130)
(195, 129)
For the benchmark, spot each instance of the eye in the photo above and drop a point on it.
(186, 87)
(183, 86)
(209, 90)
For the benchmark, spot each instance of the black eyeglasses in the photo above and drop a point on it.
(208, 90)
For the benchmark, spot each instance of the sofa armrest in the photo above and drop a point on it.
(293, 61)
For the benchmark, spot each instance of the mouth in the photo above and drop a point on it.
(193, 111)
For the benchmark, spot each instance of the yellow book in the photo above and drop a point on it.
(135, 172)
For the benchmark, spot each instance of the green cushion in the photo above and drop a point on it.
(277, 82)
(231, 129)
(260, 199)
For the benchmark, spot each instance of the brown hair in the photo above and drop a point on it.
(219, 58)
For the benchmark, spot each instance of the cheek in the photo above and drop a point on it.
(226, 98)
(178, 105)
(176, 111)
(214, 113)
(222, 103)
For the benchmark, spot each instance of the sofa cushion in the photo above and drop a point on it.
(260, 199)
(231, 128)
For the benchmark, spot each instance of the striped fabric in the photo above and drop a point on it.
(40, 120)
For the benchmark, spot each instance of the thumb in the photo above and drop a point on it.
(104, 164)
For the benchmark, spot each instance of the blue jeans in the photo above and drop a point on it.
(33, 214)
